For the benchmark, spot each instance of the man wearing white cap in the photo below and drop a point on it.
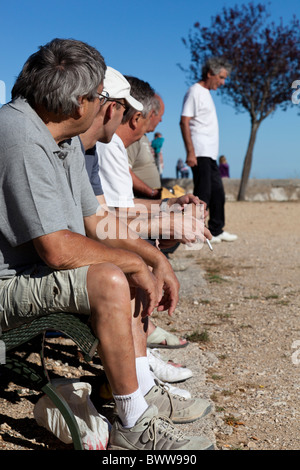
(104, 125)
(106, 122)
(113, 162)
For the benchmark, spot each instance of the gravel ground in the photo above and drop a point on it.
(239, 307)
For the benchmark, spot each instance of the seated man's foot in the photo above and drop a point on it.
(160, 338)
(153, 432)
(165, 371)
(177, 408)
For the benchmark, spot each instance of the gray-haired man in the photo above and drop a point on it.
(50, 256)
(200, 132)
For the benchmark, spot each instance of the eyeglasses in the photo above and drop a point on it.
(103, 97)
(119, 102)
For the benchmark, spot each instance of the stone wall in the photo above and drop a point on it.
(257, 189)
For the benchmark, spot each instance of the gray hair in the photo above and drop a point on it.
(58, 74)
(156, 104)
(215, 65)
(142, 92)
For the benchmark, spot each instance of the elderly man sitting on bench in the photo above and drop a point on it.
(50, 256)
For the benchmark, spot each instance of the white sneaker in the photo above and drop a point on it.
(172, 389)
(164, 371)
(154, 432)
(226, 237)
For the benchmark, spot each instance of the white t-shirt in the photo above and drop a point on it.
(198, 104)
(114, 173)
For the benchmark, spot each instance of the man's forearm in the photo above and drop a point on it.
(140, 187)
(186, 135)
(68, 250)
(114, 232)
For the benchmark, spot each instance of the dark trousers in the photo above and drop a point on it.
(208, 186)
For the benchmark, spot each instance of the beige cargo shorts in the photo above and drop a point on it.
(39, 291)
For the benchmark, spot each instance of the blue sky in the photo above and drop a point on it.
(143, 38)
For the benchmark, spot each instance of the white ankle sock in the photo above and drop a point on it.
(143, 373)
(130, 407)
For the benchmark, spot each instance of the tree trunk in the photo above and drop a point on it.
(248, 161)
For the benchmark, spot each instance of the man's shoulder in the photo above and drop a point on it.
(134, 147)
(137, 145)
(11, 115)
(16, 130)
(112, 151)
(19, 123)
(116, 141)
(198, 89)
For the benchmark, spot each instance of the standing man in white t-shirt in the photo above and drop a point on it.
(200, 132)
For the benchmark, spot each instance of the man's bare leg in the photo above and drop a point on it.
(111, 319)
(139, 329)
(109, 297)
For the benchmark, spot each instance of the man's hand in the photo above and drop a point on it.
(182, 201)
(144, 279)
(168, 283)
(189, 198)
(184, 219)
(191, 159)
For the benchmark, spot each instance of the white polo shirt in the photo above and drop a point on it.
(114, 173)
(198, 104)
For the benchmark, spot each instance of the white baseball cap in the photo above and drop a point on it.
(116, 85)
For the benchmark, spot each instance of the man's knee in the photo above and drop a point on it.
(109, 297)
(108, 275)
(106, 280)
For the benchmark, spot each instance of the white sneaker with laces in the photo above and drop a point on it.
(154, 432)
(164, 371)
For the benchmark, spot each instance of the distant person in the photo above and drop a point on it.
(157, 144)
(182, 170)
(200, 132)
(223, 167)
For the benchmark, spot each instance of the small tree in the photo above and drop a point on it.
(265, 60)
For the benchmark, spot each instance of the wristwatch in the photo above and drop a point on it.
(164, 207)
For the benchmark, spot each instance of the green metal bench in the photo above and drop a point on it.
(70, 326)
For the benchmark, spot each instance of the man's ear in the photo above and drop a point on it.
(152, 114)
(110, 109)
(80, 108)
(135, 119)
